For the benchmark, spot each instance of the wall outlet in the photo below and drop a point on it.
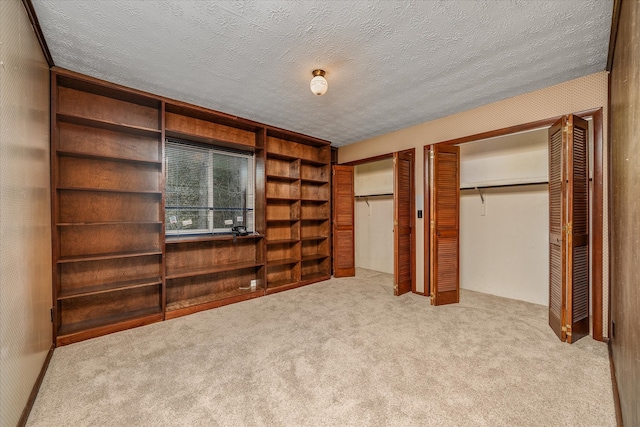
(254, 284)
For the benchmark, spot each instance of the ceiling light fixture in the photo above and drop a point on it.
(318, 83)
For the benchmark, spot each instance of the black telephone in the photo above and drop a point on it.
(239, 230)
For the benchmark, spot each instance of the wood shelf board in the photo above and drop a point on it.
(192, 272)
(109, 190)
(74, 332)
(275, 155)
(194, 305)
(314, 257)
(283, 199)
(315, 201)
(313, 162)
(217, 117)
(317, 219)
(283, 220)
(173, 240)
(82, 155)
(73, 80)
(74, 224)
(109, 287)
(310, 238)
(314, 277)
(105, 124)
(283, 261)
(111, 255)
(281, 284)
(207, 140)
(281, 178)
(281, 241)
(314, 181)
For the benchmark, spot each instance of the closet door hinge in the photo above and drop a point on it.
(395, 288)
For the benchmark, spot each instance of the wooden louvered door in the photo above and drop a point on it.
(344, 264)
(403, 208)
(569, 228)
(444, 191)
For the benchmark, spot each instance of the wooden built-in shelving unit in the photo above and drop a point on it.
(297, 212)
(114, 266)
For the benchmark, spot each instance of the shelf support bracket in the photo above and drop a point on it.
(481, 195)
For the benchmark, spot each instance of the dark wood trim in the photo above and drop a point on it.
(613, 35)
(36, 388)
(31, 12)
(501, 132)
(614, 385)
(162, 114)
(597, 225)
(426, 214)
(368, 160)
(53, 167)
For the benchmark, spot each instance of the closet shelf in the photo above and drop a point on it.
(281, 178)
(110, 255)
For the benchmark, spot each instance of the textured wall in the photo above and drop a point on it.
(625, 210)
(573, 96)
(25, 236)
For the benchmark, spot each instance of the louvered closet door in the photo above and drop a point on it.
(445, 213)
(403, 207)
(557, 259)
(577, 289)
(569, 229)
(344, 264)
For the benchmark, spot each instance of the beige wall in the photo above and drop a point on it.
(625, 211)
(25, 227)
(573, 96)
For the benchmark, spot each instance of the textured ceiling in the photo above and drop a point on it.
(390, 64)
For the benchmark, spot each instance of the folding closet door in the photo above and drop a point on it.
(444, 190)
(569, 228)
(344, 264)
(403, 208)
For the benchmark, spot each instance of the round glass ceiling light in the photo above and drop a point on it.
(318, 83)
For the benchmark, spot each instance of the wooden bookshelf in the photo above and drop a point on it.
(115, 266)
(297, 211)
(107, 208)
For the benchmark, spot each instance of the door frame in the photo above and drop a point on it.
(597, 225)
(413, 216)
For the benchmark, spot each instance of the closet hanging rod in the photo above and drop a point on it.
(374, 195)
(520, 184)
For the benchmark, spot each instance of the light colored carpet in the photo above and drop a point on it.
(340, 352)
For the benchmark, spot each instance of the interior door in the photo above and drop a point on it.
(403, 208)
(344, 264)
(569, 228)
(444, 191)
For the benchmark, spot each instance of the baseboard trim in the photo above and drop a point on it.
(36, 388)
(614, 384)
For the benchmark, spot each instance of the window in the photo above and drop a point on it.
(207, 190)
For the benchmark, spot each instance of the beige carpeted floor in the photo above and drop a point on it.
(341, 352)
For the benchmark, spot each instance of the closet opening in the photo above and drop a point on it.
(374, 217)
(502, 231)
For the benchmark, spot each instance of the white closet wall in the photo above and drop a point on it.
(504, 245)
(374, 215)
